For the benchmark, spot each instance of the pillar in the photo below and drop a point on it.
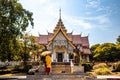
(54, 56)
(87, 58)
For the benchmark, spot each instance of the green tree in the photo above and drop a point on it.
(118, 48)
(118, 40)
(35, 48)
(14, 20)
(118, 52)
(18, 50)
(93, 48)
(106, 52)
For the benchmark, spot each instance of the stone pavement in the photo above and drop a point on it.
(62, 76)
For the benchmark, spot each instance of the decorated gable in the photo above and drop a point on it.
(60, 36)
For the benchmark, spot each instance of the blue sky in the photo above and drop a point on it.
(100, 19)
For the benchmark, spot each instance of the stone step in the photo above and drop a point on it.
(57, 69)
(61, 69)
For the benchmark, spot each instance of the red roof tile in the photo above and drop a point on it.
(69, 35)
(85, 41)
(43, 39)
(76, 39)
(86, 51)
(50, 35)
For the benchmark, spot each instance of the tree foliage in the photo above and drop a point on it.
(118, 40)
(106, 52)
(32, 46)
(14, 20)
(93, 48)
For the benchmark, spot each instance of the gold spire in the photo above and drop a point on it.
(60, 23)
(60, 20)
(60, 13)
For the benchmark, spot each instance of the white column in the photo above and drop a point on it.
(65, 57)
(72, 65)
(54, 56)
(80, 57)
(84, 58)
(87, 58)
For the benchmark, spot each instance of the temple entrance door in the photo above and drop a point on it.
(60, 57)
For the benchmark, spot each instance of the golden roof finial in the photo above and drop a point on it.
(60, 13)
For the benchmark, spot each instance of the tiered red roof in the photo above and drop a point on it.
(76, 40)
(73, 39)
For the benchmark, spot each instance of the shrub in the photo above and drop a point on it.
(116, 67)
(17, 69)
(87, 67)
(26, 68)
(3, 67)
(5, 72)
(101, 65)
(101, 69)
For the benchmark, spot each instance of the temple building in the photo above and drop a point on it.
(65, 46)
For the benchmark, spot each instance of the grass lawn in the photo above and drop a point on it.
(9, 71)
(16, 74)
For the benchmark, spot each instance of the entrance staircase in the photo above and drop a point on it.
(63, 68)
(60, 67)
(61, 71)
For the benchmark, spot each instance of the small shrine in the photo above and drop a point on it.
(65, 47)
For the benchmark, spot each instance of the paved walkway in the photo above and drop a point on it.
(63, 76)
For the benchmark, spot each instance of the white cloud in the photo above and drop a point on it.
(42, 1)
(72, 20)
(94, 6)
(46, 14)
(85, 24)
(93, 3)
(103, 20)
(102, 16)
(100, 19)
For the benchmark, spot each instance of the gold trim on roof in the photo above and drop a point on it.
(64, 33)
